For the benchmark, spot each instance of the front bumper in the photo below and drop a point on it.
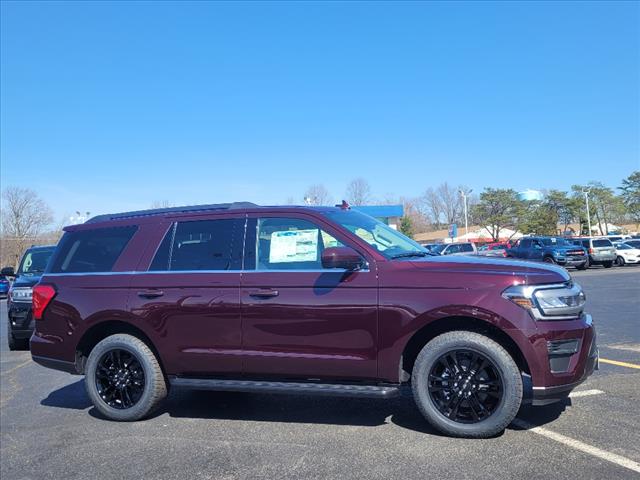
(574, 367)
(21, 320)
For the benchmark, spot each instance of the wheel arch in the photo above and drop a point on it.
(102, 330)
(454, 323)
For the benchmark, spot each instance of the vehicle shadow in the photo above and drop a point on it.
(400, 411)
(72, 396)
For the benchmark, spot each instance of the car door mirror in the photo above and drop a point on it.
(342, 257)
(7, 272)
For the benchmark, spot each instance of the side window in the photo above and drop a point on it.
(291, 244)
(91, 250)
(466, 247)
(525, 243)
(201, 245)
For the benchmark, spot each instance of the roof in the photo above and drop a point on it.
(161, 211)
(381, 210)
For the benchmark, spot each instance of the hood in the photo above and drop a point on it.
(531, 272)
(26, 280)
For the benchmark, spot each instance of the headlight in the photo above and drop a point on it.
(20, 294)
(561, 301)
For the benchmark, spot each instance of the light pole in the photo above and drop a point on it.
(464, 194)
(586, 199)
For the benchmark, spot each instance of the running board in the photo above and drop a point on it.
(326, 389)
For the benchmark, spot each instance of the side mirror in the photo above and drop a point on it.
(7, 272)
(342, 257)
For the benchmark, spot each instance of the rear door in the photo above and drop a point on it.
(299, 319)
(189, 294)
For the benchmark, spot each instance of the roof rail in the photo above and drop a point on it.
(160, 211)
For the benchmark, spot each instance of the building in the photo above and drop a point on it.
(389, 214)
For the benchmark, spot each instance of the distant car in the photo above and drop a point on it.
(600, 249)
(493, 250)
(4, 286)
(632, 243)
(31, 268)
(464, 248)
(550, 250)
(626, 254)
(431, 247)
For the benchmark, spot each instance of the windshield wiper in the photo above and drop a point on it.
(410, 254)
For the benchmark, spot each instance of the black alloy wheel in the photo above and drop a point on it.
(465, 386)
(120, 379)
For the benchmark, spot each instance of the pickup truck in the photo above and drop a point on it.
(551, 250)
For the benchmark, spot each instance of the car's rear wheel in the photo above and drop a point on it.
(467, 385)
(124, 379)
(620, 261)
(583, 266)
(608, 264)
(549, 260)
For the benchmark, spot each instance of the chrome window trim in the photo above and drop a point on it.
(156, 272)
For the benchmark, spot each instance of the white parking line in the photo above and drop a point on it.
(585, 393)
(581, 446)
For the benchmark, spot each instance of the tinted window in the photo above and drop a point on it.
(161, 258)
(91, 250)
(602, 243)
(291, 244)
(525, 243)
(35, 261)
(466, 247)
(200, 245)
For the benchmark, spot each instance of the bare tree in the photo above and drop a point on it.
(443, 205)
(25, 216)
(358, 192)
(317, 195)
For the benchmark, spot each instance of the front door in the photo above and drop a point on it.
(189, 296)
(300, 320)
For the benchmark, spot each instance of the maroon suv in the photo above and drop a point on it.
(325, 301)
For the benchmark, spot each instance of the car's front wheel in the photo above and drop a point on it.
(620, 261)
(467, 385)
(124, 379)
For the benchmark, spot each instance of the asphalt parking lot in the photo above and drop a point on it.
(49, 429)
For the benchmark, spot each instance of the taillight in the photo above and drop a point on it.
(42, 295)
(590, 250)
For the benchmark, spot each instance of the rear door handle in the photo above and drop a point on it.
(150, 293)
(264, 293)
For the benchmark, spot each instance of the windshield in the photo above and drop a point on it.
(622, 246)
(386, 240)
(556, 241)
(34, 261)
(439, 248)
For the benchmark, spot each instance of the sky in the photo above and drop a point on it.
(110, 106)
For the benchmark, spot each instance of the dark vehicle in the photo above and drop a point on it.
(20, 324)
(601, 251)
(551, 250)
(4, 286)
(310, 300)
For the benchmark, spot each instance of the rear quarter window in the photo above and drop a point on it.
(602, 243)
(91, 250)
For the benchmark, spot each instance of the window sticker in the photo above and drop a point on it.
(294, 246)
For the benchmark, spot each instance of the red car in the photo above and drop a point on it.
(310, 300)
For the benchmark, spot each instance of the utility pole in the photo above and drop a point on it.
(464, 194)
(586, 199)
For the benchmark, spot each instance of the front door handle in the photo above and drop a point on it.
(150, 293)
(264, 293)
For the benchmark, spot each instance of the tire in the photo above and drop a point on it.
(620, 261)
(608, 264)
(143, 369)
(584, 266)
(16, 344)
(507, 372)
(548, 260)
